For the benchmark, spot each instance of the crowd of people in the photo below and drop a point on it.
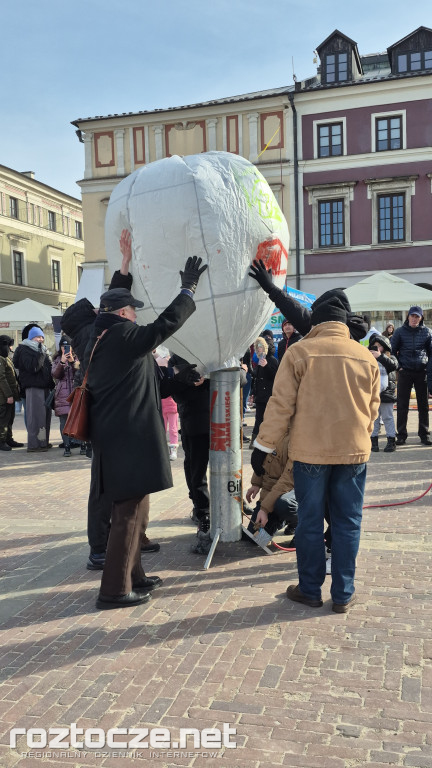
(319, 407)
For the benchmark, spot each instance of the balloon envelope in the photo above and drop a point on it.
(215, 205)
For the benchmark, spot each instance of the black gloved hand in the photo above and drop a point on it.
(187, 374)
(192, 273)
(257, 460)
(260, 274)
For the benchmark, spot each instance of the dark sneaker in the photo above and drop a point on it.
(5, 447)
(96, 561)
(344, 607)
(149, 546)
(293, 593)
(14, 444)
(67, 451)
(400, 440)
(83, 449)
(426, 441)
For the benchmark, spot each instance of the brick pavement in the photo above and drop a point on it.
(302, 687)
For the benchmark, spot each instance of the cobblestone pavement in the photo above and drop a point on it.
(302, 687)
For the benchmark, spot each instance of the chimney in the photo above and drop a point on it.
(30, 174)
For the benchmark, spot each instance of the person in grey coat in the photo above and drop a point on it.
(125, 402)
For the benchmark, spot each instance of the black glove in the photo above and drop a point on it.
(187, 374)
(192, 273)
(260, 274)
(257, 460)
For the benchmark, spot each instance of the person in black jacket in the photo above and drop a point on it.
(300, 316)
(412, 345)
(380, 347)
(193, 402)
(264, 376)
(33, 362)
(125, 403)
(78, 323)
(290, 336)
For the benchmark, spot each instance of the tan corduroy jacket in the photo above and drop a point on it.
(327, 394)
(278, 475)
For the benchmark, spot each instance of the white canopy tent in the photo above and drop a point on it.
(384, 292)
(17, 315)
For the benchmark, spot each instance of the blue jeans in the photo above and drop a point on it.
(343, 487)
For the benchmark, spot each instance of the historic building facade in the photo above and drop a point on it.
(347, 153)
(41, 237)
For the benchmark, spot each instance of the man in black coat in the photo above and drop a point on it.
(412, 345)
(77, 322)
(125, 403)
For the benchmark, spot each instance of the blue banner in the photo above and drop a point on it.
(276, 319)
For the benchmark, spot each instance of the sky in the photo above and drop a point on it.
(62, 60)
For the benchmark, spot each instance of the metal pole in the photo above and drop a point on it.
(225, 463)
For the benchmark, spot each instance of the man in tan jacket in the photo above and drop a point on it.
(327, 393)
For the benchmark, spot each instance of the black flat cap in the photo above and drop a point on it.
(117, 298)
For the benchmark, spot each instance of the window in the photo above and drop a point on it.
(55, 271)
(413, 62)
(79, 274)
(336, 67)
(18, 263)
(13, 207)
(52, 221)
(391, 218)
(331, 223)
(388, 133)
(331, 214)
(330, 140)
(78, 230)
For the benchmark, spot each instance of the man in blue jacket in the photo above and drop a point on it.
(412, 345)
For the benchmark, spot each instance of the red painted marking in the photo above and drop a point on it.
(271, 252)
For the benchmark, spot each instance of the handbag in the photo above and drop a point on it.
(77, 422)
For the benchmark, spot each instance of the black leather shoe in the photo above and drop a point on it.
(14, 444)
(400, 440)
(105, 602)
(148, 583)
(426, 441)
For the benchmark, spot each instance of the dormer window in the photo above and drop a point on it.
(336, 67)
(416, 61)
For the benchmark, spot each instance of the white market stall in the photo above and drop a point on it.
(384, 292)
(14, 317)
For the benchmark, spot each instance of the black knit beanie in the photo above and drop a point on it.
(332, 305)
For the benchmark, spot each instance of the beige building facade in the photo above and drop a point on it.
(41, 241)
(257, 126)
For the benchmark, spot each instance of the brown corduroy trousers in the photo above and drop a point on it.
(123, 566)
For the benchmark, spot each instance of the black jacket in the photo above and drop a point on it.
(412, 346)
(264, 377)
(33, 366)
(130, 456)
(193, 405)
(390, 363)
(300, 316)
(285, 343)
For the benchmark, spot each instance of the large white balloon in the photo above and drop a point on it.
(215, 205)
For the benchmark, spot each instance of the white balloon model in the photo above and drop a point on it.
(215, 205)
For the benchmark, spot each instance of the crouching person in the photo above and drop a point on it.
(125, 402)
(277, 505)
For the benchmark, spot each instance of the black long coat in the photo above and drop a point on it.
(126, 427)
